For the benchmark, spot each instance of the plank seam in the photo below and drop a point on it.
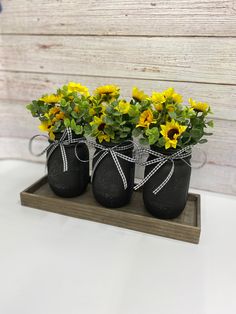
(119, 77)
(116, 35)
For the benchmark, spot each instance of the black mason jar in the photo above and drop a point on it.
(170, 201)
(107, 184)
(74, 181)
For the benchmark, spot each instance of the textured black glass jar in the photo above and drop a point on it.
(74, 181)
(107, 184)
(170, 201)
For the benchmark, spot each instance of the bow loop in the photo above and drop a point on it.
(115, 152)
(160, 160)
(65, 140)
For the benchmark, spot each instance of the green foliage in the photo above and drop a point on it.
(113, 119)
(160, 119)
(66, 108)
(165, 122)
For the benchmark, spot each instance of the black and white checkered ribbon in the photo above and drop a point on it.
(116, 153)
(160, 160)
(65, 140)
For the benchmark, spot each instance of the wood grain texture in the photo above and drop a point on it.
(120, 17)
(133, 216)
(211, 60)
(29, 86)
(215, 178)
(44, 44)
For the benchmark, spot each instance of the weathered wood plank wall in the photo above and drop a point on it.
(189, 45)
(121, 17)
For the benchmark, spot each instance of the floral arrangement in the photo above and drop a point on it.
(166, 123)
(68, 107)
(112, 118)
(160, 119)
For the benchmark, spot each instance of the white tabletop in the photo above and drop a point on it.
(52, 264)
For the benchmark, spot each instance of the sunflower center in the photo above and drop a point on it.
(101, 127)
(107, 92)
(171, 133)
(136, 98)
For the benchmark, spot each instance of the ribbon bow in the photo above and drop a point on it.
(115, 153)
(65, 140)
(160, 160)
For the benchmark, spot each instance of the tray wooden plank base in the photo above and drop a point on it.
(133, 216)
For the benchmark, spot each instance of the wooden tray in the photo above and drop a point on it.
(133, 216)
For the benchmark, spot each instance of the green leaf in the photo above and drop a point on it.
(29, 107)
(116, 113)
(126, 129)
(206, 133)
(67, 122)
(172, 115)
(152, 140)
(210, 123)
(63, 102)
(87, 129)
(108, 120)
(69, 109)
(57, 126)
(123, 135)
(74, 114)
(79, 129)
(153, 132)
(196, 133)
(136, 132)
(202, 141)
(73, 125)
(143, 141)
(161, 141)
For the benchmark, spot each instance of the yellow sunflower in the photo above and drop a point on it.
(100, 126)
(77, 87)
(198, 106)
(51, 98)
(92, 112)
(46, 126)
(158, 99)
(59, 116)
(138, 94)
(76, 108)
(97, 121)
(146, 118)
(171, 94)
(171, 131)
(103, 137)
(111, 90)
(123, 107)
(158, 107)
(53, 111)
(170, 107)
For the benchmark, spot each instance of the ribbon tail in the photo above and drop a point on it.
(116, 161)
(151, 173)
(166, 179)
(64, 158)
(97, 163)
